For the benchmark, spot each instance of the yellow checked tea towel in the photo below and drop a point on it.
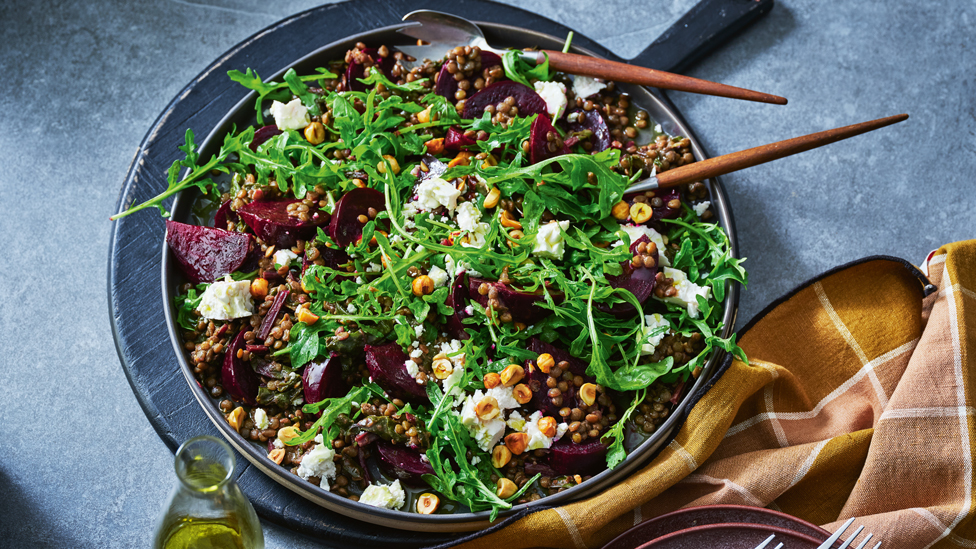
(857, 402)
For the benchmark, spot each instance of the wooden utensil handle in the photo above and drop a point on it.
(728, 163)
(622, 72)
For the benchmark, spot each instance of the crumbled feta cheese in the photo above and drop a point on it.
(227, 299)
(637, 231)
(435, 192)
(658, 129)
(439, 276)
(554, 94)
(411, 367)
(351, 309)
(504, 396)
(654, 323)
(516, 421)
(416, 353)
(261, 418)
(318, 463)
(396, 238)
(468, 216)
(687, 291)
(453, 381)
(475, 460)
(469, 310)
(485, 433)
(549, 240)
(560, 431)
(476, 237)
(290, 116)
(374, 268)
(584, 86)
(701, 208)
(537, 440)
(359, 280)
(386, 496)
(277, 443)
(284, 257)
(419, 330)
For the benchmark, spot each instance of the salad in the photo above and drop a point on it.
(427, 288)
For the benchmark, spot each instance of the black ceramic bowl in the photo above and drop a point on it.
(242, 115)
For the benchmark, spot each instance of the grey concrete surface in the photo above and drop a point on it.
(82, 82)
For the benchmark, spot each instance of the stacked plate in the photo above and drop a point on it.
(721, 527)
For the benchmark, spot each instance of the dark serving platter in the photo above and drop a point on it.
(207, 105)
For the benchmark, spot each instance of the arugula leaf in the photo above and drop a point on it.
(330, 408)
(616, 453)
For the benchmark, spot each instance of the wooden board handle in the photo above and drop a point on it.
(622, 72)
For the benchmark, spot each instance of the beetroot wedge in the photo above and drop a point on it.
(586, 458)
(225, 214)
(540, 148)
(269, 220)
(455, 140)
(523, 306)
(322, 380)
(206, 253)
(639, 281)
(386, 367)
(403, 463)
(527, 101)
(263, 134)
(345, 226)
(357, 69)
(237, 377)
(537, 379)
(447, 86)
(594, 122)
(458, 300)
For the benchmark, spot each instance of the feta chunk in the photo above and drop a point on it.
(701, 208)
(226, 300)
(637, 231)
(453, 381)
(537, 440)
(468, 216)
(687, 291)
(516, 421)
(549, 241)
(505, 397)
(284, 257)
(439, 276)
(435, 192)
(654, 323)
(584, 86)
(485, 433)
(261, 418)
(387, 496)
(554, 94)
(411, 366)
(318, 463)
(476, 237)
(290, 116)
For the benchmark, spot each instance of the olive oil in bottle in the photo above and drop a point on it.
(207, 509)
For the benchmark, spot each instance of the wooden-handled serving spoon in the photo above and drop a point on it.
(442, 32)
(728, 163)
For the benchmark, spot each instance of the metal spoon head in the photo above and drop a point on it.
(442, 31)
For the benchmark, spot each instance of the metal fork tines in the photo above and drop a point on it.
(829, 544)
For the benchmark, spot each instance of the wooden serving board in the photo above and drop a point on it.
(138, 324)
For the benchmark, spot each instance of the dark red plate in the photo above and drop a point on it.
(732, 536)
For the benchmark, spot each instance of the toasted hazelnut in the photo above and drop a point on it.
(506, 488)
(578, 479)
(492, 380)
(545, 362)
(423, 285)
(620, 211)
(315, 133)
(492, 199)
(489, 162)
(277, 455)
(522, 393)
(463, 158)
(427, 503)
(500, 456)
(392, 161)
(508, 221)
(512, 374)
(306, 316)
(641, 212)
(487, 408)
(588, 393)
(259, 288)
(442, 366)
(517, 442)
(287, 433)
(424, 116)
(435, 146)
(548, 426)
(236, 417)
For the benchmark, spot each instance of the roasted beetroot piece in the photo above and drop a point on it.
(357, 68)
(331, 257)
(269, 319)
(540, 147)
(269, 220)
(386, 367)
(455, 140)
(585, 458)
(592, 121)
(223, 215)
(639, 281)
(532, 469)
(206, 253)
(541, 401)
(577, 366)
(345, 227)
(527, 101)
(523, 306)
(458, 300)
(237, 377)
(447, 86)
(263, 134)
(322, 380)
(403, 463)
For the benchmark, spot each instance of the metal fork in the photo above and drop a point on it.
(767, 541)
(836, 536)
